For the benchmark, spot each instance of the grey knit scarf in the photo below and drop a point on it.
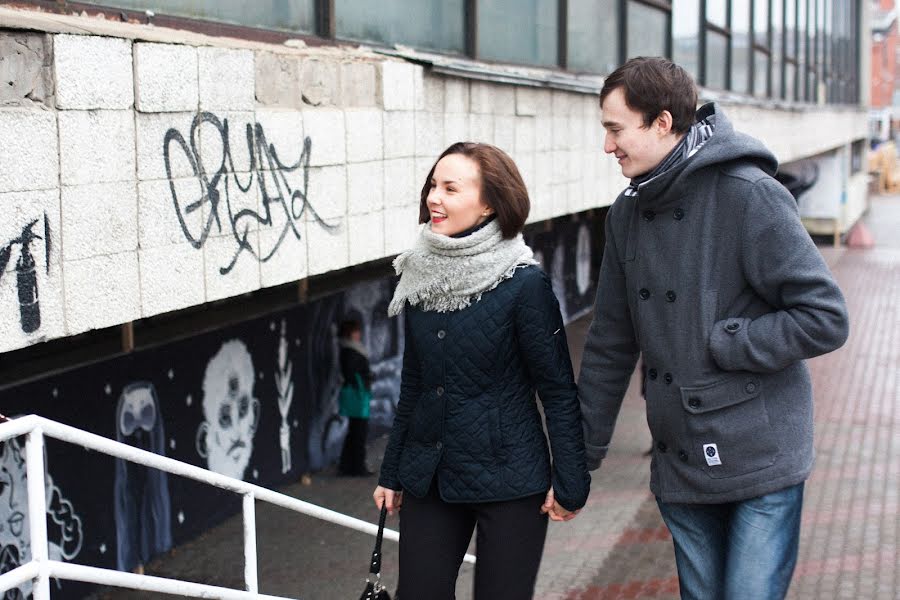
(445, 274)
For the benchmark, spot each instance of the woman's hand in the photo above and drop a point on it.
(390, 498)
(556, 510)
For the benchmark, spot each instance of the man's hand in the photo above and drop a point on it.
(390, 498)
(556, 510)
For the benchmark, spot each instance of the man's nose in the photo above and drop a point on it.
(608, 145)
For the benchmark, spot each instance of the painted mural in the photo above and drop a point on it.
(256, 401)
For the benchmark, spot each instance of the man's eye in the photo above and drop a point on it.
(243, 407)
(225, 417)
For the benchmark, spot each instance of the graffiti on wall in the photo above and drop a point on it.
(26, 271)
(283, 187)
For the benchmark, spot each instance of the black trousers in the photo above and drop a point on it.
(434, 536)
(353, 454)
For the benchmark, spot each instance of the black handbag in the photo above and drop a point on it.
(374, 590)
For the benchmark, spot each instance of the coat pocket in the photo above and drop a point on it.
(729, 426)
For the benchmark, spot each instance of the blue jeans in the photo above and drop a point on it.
(737, 550)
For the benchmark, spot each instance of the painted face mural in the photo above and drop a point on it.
(231, 412)
(63, 525)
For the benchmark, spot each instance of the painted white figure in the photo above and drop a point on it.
(231, 412)
(583, 260)
(143, 514)
(64, 533)
(285, 388)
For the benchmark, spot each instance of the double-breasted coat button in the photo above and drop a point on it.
(440, 390)
(661, 446)
(668, 378)
(694, 402)
(442, 334)
(652, 373)
(683, 456)
(439, 445)
(750, 388)
(649, 215)
(670, 296)
(644, 293)
(678, 214)
(733, 327)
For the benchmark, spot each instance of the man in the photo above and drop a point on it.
(709, 273)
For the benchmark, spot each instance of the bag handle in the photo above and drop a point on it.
(375, 565)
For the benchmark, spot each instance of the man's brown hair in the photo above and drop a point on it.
(502, 187)
(654, 84)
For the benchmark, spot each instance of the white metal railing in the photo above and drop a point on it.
(40, 568)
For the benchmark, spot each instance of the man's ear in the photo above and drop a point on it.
(202, 449)
(664, 122)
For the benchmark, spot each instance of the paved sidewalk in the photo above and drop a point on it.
(618, 547)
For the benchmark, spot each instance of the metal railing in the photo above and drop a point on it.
(40, 568)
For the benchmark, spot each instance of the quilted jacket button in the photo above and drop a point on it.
(661, 446)
(649, 215)
(440, 390)
(442, 334)
(678, 214)
(750, 388)
(668, 378)
(644, 293)
(439, 445)
(670, 296)
(683, 456)
(694, 402)
(652, 373)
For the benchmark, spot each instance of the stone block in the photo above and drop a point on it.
(399, 83)
(403, 223)
(525, 134)
(327, 194)
(456, 128)
(328, 248)
(320, 82)
(429, 134)
(238, 207)
(564, 103)
(481, 97)
(96, 146)
(505, 133)
(401, 183)
(242, 276)
(165, 78)
(366, 237)
(99, 219)
(167, 212)
(92, 72)
(287, 259)
(526, 101)
(481, 128)
(504, 99)
(456, 95)
(225, 137)
(172, 277)
(29, 152)
(226, 79)
(365, 135)
(432, 93)
(365, 187)
(283, 131)
(543, 127)
(399, 134)
(560, 132)
(359, 86)
(525, 164)
(277, 80)
(26, 68)
(326, 129)
(152, 148)
(102, 291)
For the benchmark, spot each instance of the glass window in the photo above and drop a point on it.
(777, 42)
(517, 31)
(427, 24)
(648, 30)
(790, 71)
(285, 15)
(685, 38)
(717, 12)
(716, 64)
(790, 28)
(760, 72)
(801, 30)
(761, 23)
(593, 35)
(740, 46)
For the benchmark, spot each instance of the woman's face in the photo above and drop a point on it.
(454, 201)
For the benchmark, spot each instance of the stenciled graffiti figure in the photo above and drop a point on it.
(26, 274)
(283, 206)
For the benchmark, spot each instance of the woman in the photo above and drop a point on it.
(356, 392)
(467, 450)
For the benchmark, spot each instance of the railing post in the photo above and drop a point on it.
(37, 510)
(250, 576)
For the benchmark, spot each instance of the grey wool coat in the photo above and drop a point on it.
(709, 273)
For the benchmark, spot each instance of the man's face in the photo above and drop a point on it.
(638, 148)
(231, 428)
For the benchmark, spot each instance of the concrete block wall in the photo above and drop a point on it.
(149, 177)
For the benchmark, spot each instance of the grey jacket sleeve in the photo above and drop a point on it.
(610, 353)
(783, 266)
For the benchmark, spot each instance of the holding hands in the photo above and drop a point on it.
(556, 511)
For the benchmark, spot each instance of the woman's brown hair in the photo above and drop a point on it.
(502, 187)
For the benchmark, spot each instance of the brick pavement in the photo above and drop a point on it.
(618, 547)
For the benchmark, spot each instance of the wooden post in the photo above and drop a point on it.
(128, 336)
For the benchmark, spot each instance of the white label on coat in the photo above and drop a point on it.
(711, 452)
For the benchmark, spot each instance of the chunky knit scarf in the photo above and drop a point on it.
(445, 274)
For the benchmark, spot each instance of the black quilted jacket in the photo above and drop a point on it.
(467, 411)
